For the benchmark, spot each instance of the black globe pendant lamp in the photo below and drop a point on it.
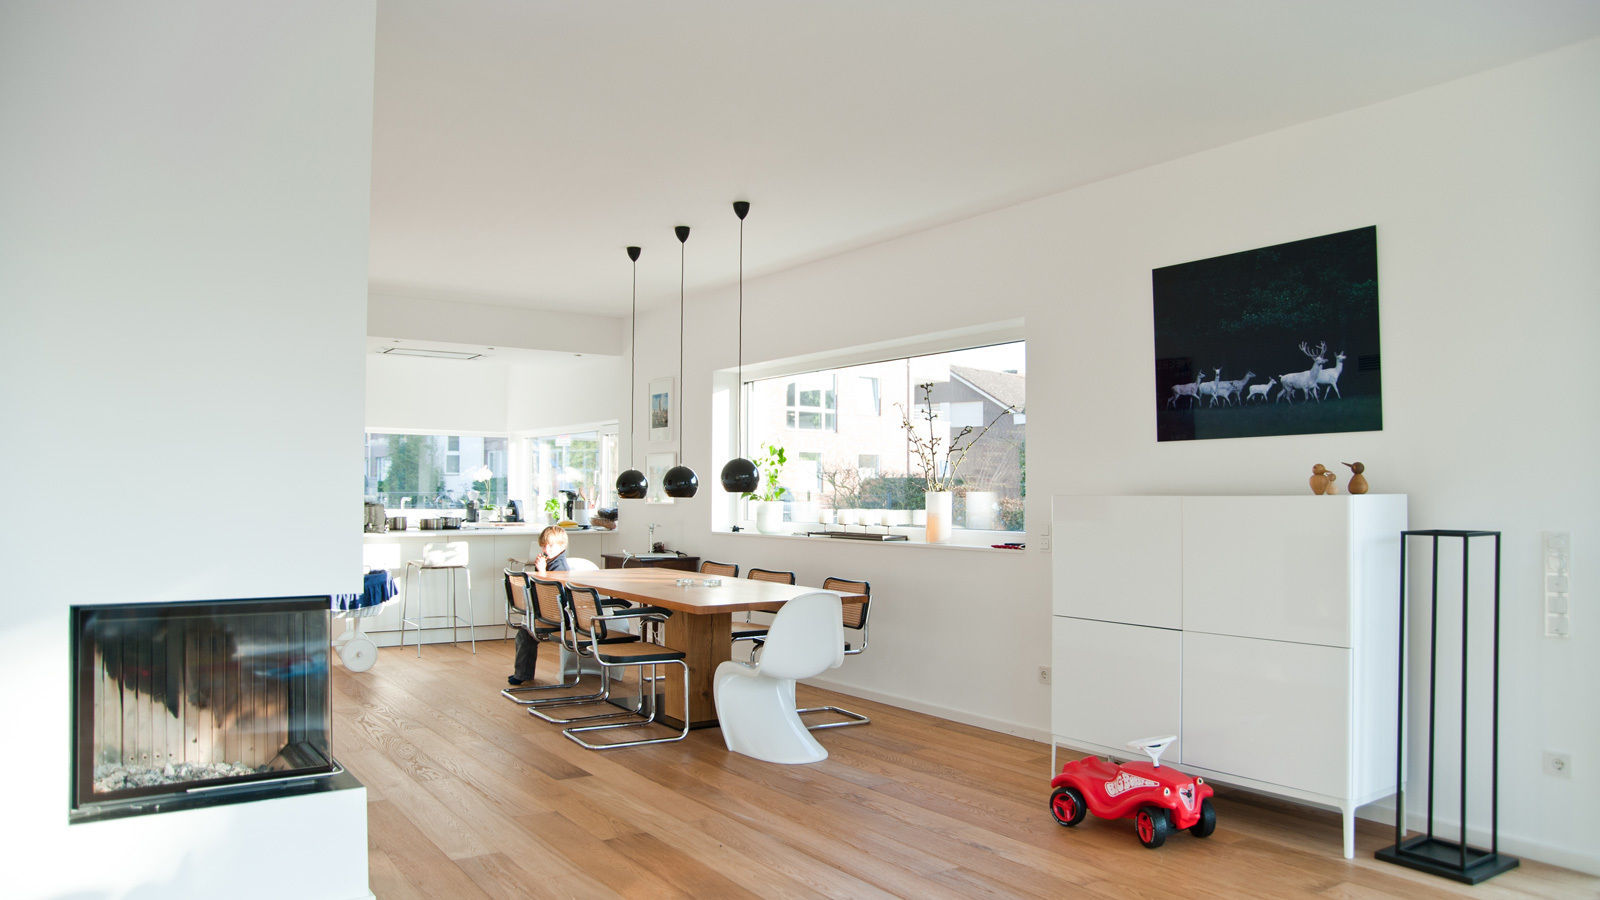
(739, 476)
(632, 485)
(680, 481)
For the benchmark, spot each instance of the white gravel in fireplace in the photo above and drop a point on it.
(108, 777)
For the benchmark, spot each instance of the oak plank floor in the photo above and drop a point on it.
(469, 796)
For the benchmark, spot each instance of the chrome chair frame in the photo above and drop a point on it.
(650, 718)
(573, 641)
(514, 694)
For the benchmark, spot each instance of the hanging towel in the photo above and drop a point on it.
(377, 588)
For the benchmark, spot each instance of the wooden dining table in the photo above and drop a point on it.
(701, 625)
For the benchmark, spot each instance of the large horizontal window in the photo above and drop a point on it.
(849, 460)
(435, 471)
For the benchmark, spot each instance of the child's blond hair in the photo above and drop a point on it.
(554, 534)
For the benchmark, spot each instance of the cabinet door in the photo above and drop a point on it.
(1268, 567)
(1115, 683)
(1119, 559)
(1268, 710)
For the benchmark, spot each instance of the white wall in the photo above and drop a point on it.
(184, 217)
(451, 395)
(1485, 196)
(567, 391)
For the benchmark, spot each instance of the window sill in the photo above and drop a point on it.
(910, 542)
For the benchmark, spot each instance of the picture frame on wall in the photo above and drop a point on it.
(663, 415)
(1278, 340)
(655, 469)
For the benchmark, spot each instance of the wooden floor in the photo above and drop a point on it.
(471, 797)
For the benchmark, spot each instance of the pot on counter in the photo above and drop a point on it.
(450, 523)
(428, 524)
(397, 523)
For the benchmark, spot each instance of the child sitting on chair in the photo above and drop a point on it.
(552, 558)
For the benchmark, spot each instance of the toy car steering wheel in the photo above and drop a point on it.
(1152, 747)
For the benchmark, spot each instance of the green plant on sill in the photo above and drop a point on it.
(552, 508)
(771, 466)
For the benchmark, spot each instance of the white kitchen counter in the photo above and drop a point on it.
(489, 552)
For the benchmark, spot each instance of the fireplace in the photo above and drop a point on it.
(178, 704)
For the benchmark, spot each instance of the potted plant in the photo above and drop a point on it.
(939, 467)
(552, 508)
(767, 498)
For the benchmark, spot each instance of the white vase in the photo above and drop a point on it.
(980, 510)
(769, 516)
(938, 508)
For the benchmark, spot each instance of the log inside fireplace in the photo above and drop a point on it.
(170, 699)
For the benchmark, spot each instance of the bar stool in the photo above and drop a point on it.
(450, 557)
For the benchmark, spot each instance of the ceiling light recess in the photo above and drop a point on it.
(430, 354)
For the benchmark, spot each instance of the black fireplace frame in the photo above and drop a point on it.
(86, 805)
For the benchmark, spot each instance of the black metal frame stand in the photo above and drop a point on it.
(1426, 852)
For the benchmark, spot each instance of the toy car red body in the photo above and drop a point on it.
(1159, 798)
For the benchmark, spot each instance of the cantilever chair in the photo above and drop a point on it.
(580, 644)
(589, 621)
(517, 600)
(854, 618)
(543, 619)
(755, 703)
(754, 631)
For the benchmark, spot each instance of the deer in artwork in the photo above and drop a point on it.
(1330, 377)
(1261, 390)
(1210, 390)
(1231, 389)
(1305, 382)
(1185, 390)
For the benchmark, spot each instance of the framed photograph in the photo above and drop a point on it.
(662, 409)
(1278, 340)
(655, 469)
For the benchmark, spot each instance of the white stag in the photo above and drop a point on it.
(1227, 389)
(1305, 382)
(1261, 390)
(1330, 377)
(1210, 390)
(1185, 390)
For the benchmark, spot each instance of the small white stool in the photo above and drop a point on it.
(450, 557)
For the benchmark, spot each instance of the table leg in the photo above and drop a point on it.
(708, 642)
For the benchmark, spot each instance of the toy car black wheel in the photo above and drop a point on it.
(1153, 826)
(1208, 820)
(1066, 804)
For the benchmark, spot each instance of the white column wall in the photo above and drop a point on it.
(1485, 192)
(183, 213)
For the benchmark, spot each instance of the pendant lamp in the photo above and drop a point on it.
(680, 480)
(632, 485)
(739, 476)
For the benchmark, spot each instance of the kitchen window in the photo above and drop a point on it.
(575, 465)
(434, 471)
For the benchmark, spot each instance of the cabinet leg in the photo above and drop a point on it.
(1349, 832)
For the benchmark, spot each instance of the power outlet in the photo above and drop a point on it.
(1044, 674)
(1558, 765)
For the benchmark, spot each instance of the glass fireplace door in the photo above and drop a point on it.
(173, 696)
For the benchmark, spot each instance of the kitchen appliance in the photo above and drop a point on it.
(376, 521)
(513, 511)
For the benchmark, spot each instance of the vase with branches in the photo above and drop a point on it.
(939, 459)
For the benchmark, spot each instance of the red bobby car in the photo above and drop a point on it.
(1160, 798)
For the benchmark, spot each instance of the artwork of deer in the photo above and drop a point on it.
(1330, 377)
(1261, 390)
(1210, 390)
(1185, 390)
(1305, 382)
(1227, 389)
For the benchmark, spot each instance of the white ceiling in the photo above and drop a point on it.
(519, 145)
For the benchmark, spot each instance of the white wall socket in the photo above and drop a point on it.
(1558, 764)
(1044, 674)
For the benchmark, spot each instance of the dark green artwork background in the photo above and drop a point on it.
(1250, 311)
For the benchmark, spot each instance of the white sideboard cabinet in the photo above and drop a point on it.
(1263, 631)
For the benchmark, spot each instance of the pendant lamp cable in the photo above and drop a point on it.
(683, 242)
(633, 369)
(738, 400)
